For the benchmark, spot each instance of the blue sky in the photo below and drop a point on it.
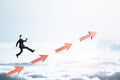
(55, 20)
(51, 23)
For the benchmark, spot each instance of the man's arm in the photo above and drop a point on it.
(25, 39)
(17, 43)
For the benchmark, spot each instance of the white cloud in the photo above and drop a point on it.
(115, 47)
(15, 77)
(108, 44)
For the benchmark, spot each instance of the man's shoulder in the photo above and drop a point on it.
(20, 40)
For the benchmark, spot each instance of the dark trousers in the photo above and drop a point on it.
(24, 47)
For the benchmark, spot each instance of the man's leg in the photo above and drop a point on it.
(21, 50)
(29, 49)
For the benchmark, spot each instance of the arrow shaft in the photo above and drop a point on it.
(85, 37)
(60, 49)
(36, 60)
(11, 72)
(42, 58)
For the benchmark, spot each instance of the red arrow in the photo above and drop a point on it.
(42, 58)
(91, 34)
(66, 46)
(17, 70)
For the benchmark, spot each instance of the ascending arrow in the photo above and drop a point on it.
(91, 34)
(66, 46)
(17, 70)
(42, 58)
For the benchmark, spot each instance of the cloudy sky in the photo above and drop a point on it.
(48, 24)
(51, 23)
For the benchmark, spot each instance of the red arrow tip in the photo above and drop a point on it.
(18, 69)
(92, 34)
(68, 45)
(43, 57)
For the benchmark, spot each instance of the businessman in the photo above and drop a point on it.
(22, 46)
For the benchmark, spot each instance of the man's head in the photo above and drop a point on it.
(20, 36)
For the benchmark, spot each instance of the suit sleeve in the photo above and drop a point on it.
(17, 43)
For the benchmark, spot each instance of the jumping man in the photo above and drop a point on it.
(22, 46)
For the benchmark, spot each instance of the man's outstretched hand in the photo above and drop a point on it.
(26, 39)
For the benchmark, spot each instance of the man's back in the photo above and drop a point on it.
(20, 41)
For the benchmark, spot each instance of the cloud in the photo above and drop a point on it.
(81, 78)
(115, 47)
(99, 76)
(102, 69)
(85, 78)
(15, 64)
(105, 76)
(115, 76)
(108, 44)
(76, 79)
(103, 44)
(4, 77)
(110, 63)
(37, 76)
